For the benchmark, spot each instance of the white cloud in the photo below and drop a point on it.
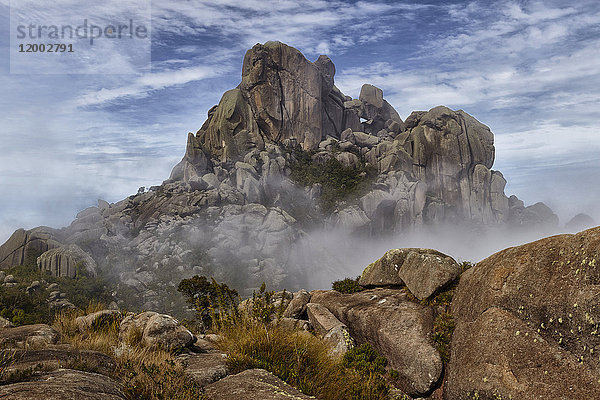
(147, 83)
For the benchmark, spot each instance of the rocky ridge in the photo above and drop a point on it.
(232, 209)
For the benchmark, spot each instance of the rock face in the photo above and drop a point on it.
(22, 243)
(527, 320)
(233, 207)
(66, 260)
(396, 327)
(253, 383)
(156, 330)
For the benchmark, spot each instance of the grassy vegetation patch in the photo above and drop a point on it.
(338, 182)
(22, 307)
(443, 327)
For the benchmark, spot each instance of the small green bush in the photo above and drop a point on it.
(347, 285)
(214, 303)
(443, 327)
(365, 359)
(465, 265)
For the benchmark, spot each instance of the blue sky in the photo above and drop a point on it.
(528, 69)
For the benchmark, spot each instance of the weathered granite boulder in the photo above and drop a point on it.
(527, 321)
(321, 319)
(426, 273)
(52, 359)
(98, 320)
(253, 384)
(330, 328)
(29, 335)
(423, 271)
(67, 261)
(397, 327)
(205, 368)
(156, 330)
(64, 384)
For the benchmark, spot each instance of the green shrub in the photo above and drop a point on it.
(365, 359)
(337, 181)
(214, 303)
(264, 308)
(443, 327)
(347, 285)
(465, 265)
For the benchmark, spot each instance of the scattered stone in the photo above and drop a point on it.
(4, 323)
(205, 368)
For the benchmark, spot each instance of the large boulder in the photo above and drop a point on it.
(330, 328)
(253, 384)
(156, 330)
(423, 271)
(527, 322)
(205, 368)
(62, 385)
(426, 273)
(102, 319)
(397, 327)
(68, 260)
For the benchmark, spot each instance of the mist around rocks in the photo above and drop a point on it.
(292, 183)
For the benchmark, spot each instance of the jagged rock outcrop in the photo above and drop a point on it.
(527, 321)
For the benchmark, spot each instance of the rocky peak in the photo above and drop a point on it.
(282, 155)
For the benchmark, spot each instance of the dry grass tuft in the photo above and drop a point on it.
(297, 357)
(145, 373)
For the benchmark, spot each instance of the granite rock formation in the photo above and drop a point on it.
(234, 208)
